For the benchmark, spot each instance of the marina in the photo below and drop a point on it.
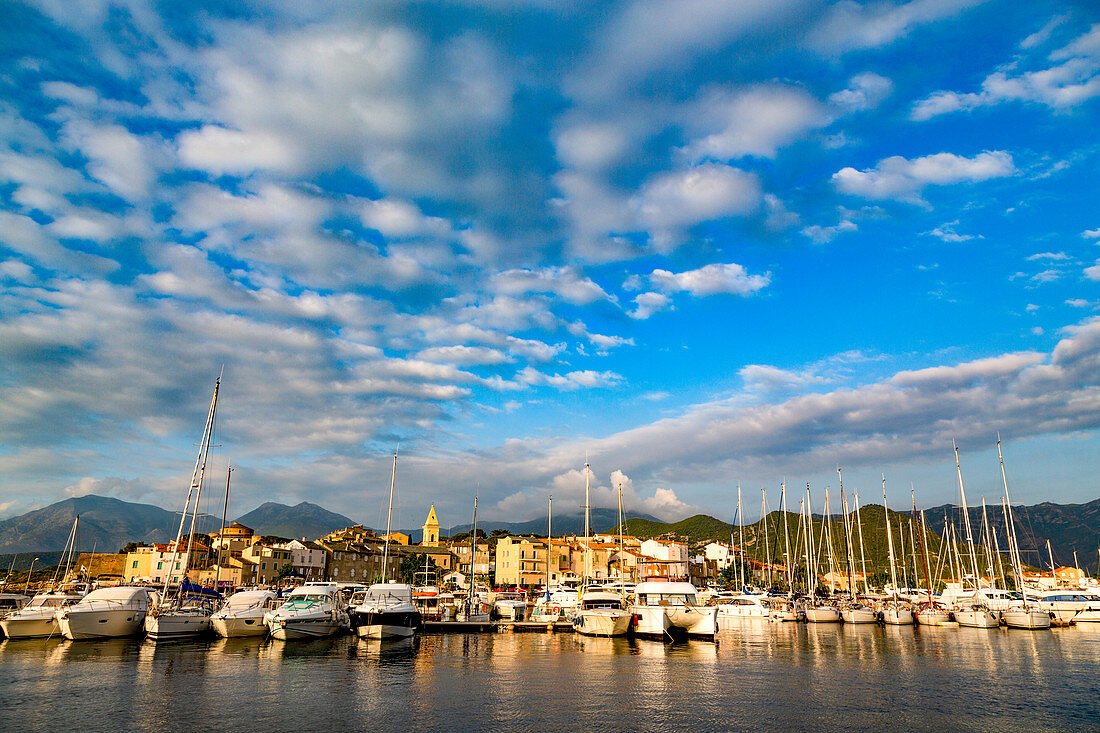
(754, 676)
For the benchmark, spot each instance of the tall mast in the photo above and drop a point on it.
(549, 542)
(767, 547)
(826, 527)
(966, 516)
(1050, 554)
(622, 554)
(862, 557)
(810, 548)
(1019, 565)
(924, 552)
(389, 515)
(221, 533)
(849, 560)
(587, 541)
(809, 540)
(987, 543)
(740, 538)
(889, 539)
(197, 476)
(787, 543)
(901, 555)
(913, 548)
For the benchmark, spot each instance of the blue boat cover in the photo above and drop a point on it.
(194, 589)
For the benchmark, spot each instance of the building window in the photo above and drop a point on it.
(160, 566)
(135, 564)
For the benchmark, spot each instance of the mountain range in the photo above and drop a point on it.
(108, 524)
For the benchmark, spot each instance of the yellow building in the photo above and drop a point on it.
(431, 529)
(398, 538)
(521, 561)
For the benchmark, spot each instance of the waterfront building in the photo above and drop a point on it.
(95, 564)
(443, 558)
(396, 538)
(520, 561)
(234, 572)
(356, 533)
(483, 563)
(664, 558)
(355, 562)
(722, 553)
(431, 529)
(233, 540)
(271, 562)
(308, 558)
(159, 562)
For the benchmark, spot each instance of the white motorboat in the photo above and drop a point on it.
(742, 606)
(12, 602)
(106, 613)
(386, 611)
(1065, 606)
(510, 606)
(39, 617)
(602, 613)
(242, 614)
(310, 611)
(858, 613)
(1026, 617)
(666, 608)
(785, 610)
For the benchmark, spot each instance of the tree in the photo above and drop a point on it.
(412, 564)
(130, 547)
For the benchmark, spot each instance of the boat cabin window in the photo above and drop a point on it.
(46, 603)
(8, 603)
(668, 599)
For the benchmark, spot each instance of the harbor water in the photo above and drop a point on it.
(758, 676)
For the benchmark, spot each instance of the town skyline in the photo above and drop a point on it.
(693, 244)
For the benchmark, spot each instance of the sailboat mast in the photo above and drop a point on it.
(1018, 563)
(862, 557)
(913, 548)
(987, 543)
(889, 539)
(787, 542)
(1050, 554)
(196, 482)
(389, 514)
(767, 547)
(924, 551)
(826, 526)
(966, 516)
(549, 542)
(740, 538)
(809, 548)
(587, 542)
(622, 554)
(849, 560)
(221, 533)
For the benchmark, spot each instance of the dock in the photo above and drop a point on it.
(474, 627)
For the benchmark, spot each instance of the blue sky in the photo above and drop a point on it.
(700, 242)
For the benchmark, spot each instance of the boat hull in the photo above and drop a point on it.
(823, 615)
(384, 624)
(100, 624)
(977, 618)
(18, 626)
(651, 621)
(607, 622)
(510, 611)
(932, 617)
(859, 616)
(292, 629)
(230, 627)
(176, 625)
(897, 616)
(1026, 618)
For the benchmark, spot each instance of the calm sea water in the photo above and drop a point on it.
(760, 677)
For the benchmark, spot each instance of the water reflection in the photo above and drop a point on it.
(757, 674)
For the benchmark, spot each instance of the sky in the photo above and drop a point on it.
(695, 243)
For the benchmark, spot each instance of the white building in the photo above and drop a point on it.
(308, 558)
(722, 553)
(673, 554)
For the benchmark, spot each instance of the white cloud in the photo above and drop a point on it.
(947, 233)
(712, 279)
(591, 146)
(396, 218)
(1093, 273)
(649, 303)
(116, 157)
(865, 91)
(756, 122)
(1091, 234)
(903, 179)
(849, 26)
(566, 282)
(823, 235)
(669, 202)
(1050, 256)
(1061, 86)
